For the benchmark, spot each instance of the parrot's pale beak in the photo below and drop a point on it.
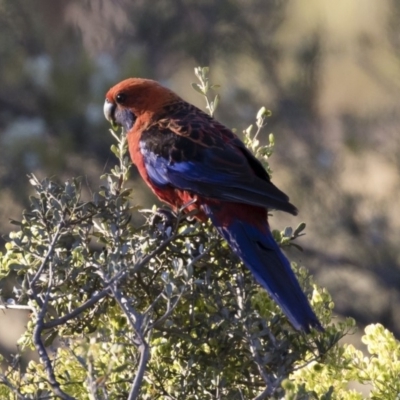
(109, 113)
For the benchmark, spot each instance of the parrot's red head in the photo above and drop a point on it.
(133, 98)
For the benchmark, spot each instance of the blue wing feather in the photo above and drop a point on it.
(217, 174)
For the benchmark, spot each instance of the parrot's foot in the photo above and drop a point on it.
(164, 219)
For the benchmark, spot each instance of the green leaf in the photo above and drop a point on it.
(300, 228)
(115, 150)
(197, 88)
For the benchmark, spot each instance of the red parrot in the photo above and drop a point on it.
(186, 156)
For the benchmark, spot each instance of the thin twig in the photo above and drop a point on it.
(170, 308)
(135, 319)
(47, 256)
(65, 318)
(167, 313)
(269, 381)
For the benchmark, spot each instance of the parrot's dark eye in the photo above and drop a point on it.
(120, 98)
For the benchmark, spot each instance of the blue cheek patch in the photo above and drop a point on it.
(125, 118)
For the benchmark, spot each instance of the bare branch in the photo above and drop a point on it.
(45, 359)
(137, 383)
(135, 319)
(39, 327)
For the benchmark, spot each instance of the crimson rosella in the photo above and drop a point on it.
(187, 157)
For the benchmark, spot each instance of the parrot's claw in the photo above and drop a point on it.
(164, 218)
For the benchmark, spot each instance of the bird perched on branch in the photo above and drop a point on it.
(187, 157)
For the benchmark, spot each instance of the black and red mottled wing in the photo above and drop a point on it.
(190, 151)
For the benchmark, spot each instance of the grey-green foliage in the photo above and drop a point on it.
(161, 311)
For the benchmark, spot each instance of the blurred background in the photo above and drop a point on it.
(328, 71)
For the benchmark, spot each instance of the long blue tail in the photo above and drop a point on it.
(263, 257)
